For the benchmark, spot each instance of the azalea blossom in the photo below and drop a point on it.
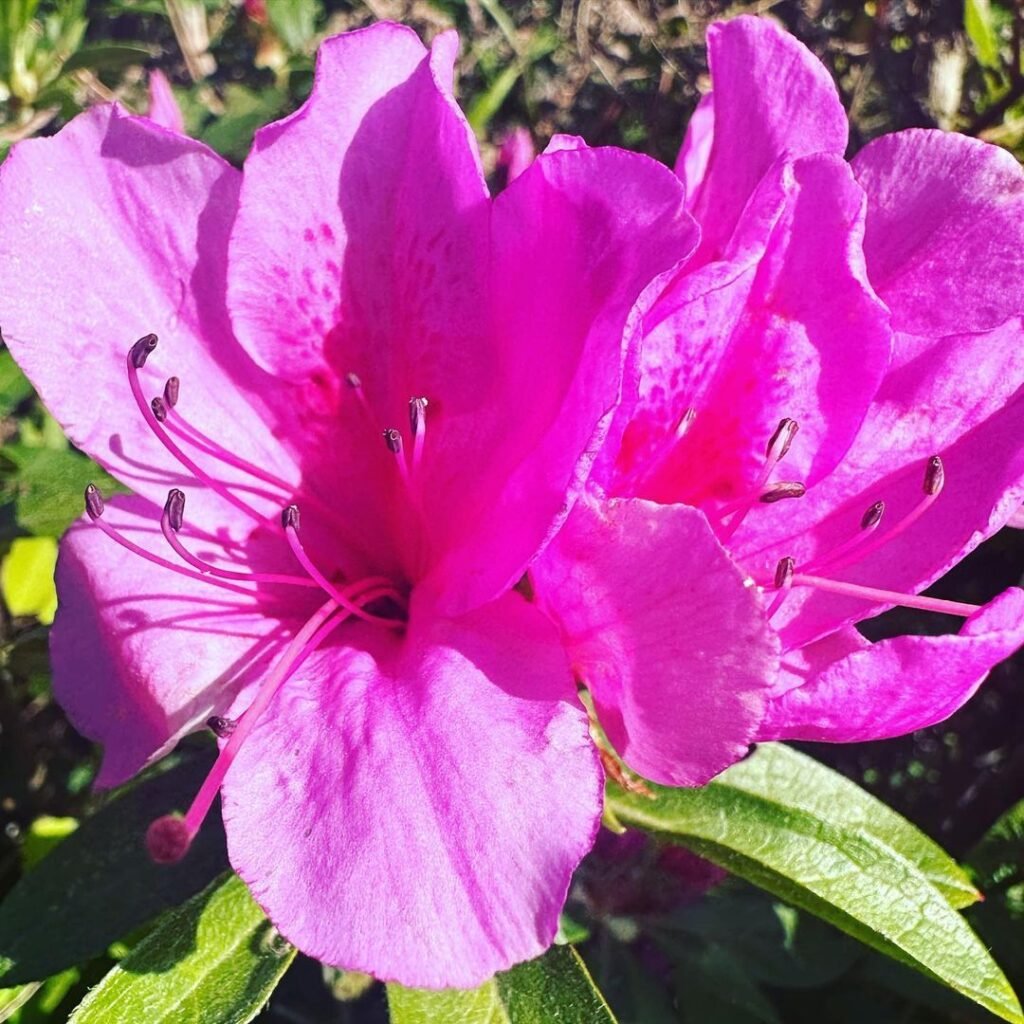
(354, 397)
(834, 380)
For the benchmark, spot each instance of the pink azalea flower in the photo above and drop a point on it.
(353, 328)
(835, 382)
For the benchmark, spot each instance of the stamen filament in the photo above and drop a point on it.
(169, 531)
(147, 412)
(290, 522)
(927, 604)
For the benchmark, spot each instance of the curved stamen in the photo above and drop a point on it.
(137, 356)
(418, 426)
(784, 572)
(290, 522)
(171, 522)
(931, 485)
(94, 506)
(869, 523)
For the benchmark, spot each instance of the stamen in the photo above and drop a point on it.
(931, 485)
(418, 425)
(169, 838)
(171, 522)
(222, 727)
(666, 446)
(355, 384)
(393, 440)
(782, 491)
(781, 441)
(94, 507)
(137, 356)
(159, 409)
(290, 522)
(94, 503)
(783, 582)
(171, 390)
(869, 522)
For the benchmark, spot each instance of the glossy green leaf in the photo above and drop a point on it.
(763, 821)
(553, 988)
(99, 884)
(779, 773)
(214, 960)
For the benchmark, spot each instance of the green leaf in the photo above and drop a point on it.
(108, 57)
(26, 578)
(13, 999)
(981, 30)
(763, 821)
(214, 960)
(99, 883)
(46, 486)
(245, 111)
(43, 835)
(554, 987)
(294, 21)
(779, 773)
(14, 385)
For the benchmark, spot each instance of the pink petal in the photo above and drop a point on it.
(516, 153)
(899, 685)
(568, 278)
(415, 807)
(143, 655)
(747, 342)
(662, 628)
(132, 221)
(772, 99)
(692, 164)
(943, 208)
(163, 107)
(957, 397)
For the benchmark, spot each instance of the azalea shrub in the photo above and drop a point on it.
(478, 542)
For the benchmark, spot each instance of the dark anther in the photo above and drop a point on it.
(94, 504)
(417, 412)
(777, 492)
(221, 727)
(175, 508)
(873, 516)
(159, 409)
(784, 572)
(782, 438)
(934, 476)
(353, 381)
(171, 389)
(290, 517)
(393, 439)
(142, 350)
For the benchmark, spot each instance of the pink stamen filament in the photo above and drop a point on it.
(836, 558)
(212, 570)
(665, 447)
(301, 646)
(166, 564)
(927, 604)
(337, 595)
(858, 549)
(163, 437)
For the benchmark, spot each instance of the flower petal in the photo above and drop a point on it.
(132, 220)
(943, 208)
(899, 685)
(747, 342)
(567, 283)
(662, 628)
(772, 98)
(141, 654)
(415, 808)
